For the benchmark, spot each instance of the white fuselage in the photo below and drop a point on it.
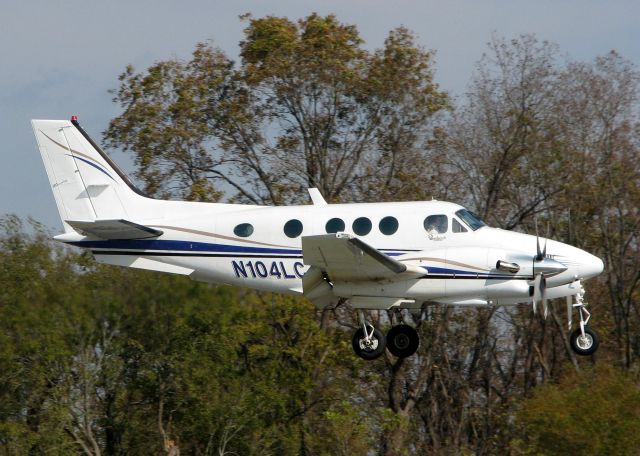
(460, 267)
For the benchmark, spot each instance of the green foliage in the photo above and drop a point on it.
(128, 362)
(344, 430)
(596, 411)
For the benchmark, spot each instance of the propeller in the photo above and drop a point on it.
(540, 282)
(543, 267)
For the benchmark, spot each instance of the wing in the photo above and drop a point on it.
(113, 229)
(343, 258)
(346, 258)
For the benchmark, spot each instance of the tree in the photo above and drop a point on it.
(595, 412)
(503, 140)
(307, 107)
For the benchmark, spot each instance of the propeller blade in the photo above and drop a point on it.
(569, 308)
(536, 291)
(537, 297)
(539, 293)
(544, 251)
(538, 251)
(543, 295)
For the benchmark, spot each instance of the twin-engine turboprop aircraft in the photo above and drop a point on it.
(372, 256)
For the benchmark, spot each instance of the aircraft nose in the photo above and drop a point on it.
(590, 266)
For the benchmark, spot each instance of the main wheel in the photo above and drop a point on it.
(368, 349)
(402, 341)
(586, 345)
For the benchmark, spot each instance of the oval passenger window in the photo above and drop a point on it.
(388, 225)
(243, 230)
(335, 225)
(293, 228)
(361, 226)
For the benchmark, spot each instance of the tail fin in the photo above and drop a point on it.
(86, 183)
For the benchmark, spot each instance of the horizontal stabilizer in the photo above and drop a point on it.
(114, 229)
(150, 264)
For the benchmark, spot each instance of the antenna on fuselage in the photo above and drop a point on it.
(316, 197)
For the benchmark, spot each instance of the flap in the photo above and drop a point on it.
(113, 229)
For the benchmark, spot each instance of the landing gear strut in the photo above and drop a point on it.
(584, 340)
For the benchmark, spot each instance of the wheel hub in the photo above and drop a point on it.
(584, 342)
(401, 341)
(368, 345)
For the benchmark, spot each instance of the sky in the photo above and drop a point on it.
(60, 58)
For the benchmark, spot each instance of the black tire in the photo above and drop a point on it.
(375, 350)
(402, 341)
(587, 346)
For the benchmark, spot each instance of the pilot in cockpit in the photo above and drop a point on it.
(436, 226)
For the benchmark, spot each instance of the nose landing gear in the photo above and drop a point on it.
(584, 340)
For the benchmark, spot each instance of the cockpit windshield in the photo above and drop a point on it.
(470, 219)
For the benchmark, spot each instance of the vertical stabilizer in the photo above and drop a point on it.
(86, 184)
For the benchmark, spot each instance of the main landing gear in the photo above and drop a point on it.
(584, 340)
(402, 341)
(369, 343)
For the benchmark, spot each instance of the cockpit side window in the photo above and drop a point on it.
(470, 219)
(457, 227)
(438, 222)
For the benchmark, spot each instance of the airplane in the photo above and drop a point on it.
(370, 256)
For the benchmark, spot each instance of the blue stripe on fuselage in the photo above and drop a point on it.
(460, 274)
(436, 270)
(188, 246)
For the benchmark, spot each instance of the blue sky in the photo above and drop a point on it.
(60, 58)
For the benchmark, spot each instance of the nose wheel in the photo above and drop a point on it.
(586, 343)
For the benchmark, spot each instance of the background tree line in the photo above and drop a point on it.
(100, 360)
